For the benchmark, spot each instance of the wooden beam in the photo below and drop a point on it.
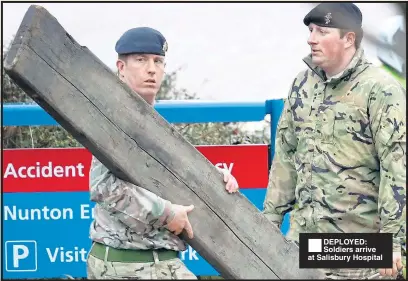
(127, 135)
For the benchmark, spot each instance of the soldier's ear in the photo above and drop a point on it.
(120, 64)
(350, 38)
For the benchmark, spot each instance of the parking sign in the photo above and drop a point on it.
(21, 256)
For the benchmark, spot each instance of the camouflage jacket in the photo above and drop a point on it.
(127, 216)
(340, 153)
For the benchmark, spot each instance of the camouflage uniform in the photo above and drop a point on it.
(340, 155)
(130, 217)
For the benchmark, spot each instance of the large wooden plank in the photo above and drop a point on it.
(135, 142)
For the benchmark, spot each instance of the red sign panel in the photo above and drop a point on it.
(67, 169)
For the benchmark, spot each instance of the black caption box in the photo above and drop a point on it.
(345, 250)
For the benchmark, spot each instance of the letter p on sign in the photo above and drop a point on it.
(21, 256)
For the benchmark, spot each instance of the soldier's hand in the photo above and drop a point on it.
(179, 220)
(231, 183)
(396, 266)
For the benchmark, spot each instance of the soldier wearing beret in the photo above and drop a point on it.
(135, 232)
(341, 142)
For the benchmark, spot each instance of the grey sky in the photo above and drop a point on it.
(236, 51)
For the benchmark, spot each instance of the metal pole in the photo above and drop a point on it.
(274, 109)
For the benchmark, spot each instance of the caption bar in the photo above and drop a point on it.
(345, 250)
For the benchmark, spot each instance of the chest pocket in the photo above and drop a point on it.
(344, 117)
(352, 124)
(344, 122)
(351, 137)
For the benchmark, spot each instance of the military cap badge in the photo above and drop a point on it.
(165, 46)
(328, 17)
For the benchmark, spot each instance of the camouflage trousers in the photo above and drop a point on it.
(168, 269)
(352, 273)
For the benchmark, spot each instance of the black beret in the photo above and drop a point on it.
(337, 15)
(142, 40)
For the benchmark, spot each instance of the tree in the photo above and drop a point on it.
(56, 136)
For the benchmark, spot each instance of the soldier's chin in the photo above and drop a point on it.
(317, 60)
(148, 93)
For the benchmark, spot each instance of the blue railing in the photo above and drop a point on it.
(173, 111)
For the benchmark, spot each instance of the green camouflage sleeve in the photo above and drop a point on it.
(280, 195)
(134, 206)
(387, 107)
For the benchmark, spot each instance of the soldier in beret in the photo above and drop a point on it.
(341, 142)
(135, 232)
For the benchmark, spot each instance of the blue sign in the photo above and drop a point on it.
(46, 234)
(21, 256)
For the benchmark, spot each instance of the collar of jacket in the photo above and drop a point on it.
(357, 61)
